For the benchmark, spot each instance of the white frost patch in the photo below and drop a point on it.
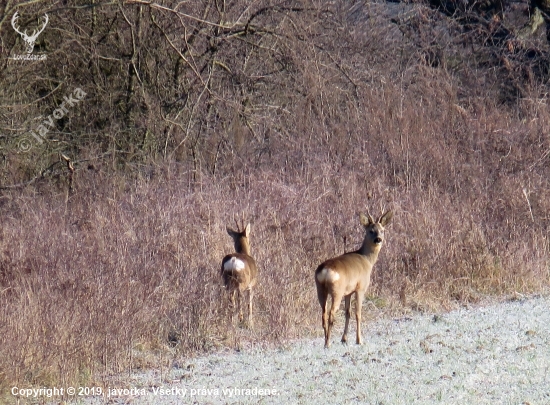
(498, 354)
(233, 264)
(328, 274)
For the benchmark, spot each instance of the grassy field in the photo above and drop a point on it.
(115, 267)
(485, 354)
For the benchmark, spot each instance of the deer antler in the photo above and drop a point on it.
(13, 22)
(369, 216)
(29, 39)
(36, 33)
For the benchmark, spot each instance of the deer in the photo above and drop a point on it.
(350, 273)
(29, 39)
(239, 271)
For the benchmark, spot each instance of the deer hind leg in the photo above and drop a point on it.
(229, 295)
(358, 303)
(336, 300)
(323, 300)
(347, 304)
(239, 305)
(250, 295)
(233, 306)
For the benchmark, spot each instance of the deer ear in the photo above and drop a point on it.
(365, 221)
(247, 230)
(230, 231)
(386, 218)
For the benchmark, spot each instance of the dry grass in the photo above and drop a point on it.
(127, 273)
(132, 267)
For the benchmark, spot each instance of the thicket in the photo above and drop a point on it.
(295, 115)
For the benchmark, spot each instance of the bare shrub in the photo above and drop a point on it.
(297, 116)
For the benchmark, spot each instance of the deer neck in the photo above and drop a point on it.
(370, 251)
(242, 246)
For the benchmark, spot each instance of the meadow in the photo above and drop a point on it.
(311, 116)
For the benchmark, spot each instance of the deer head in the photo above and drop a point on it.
(29, 39)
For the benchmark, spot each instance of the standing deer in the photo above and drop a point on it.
(350, 273)
(239, 271)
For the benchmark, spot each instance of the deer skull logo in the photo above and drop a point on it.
(29, 39)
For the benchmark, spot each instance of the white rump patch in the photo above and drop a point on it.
(233, 264)
(327, 274)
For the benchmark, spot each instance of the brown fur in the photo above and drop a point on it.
(350, 273)
(236, 281)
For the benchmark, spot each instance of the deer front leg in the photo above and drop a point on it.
(358, 304)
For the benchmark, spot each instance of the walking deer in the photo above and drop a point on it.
(239, 271)
(350, 273)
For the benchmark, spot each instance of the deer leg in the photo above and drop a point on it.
(358, 303)
(336, 300)
(232, 299)
(239, 304)
(323, 299)
(250, 295)
(347, 304)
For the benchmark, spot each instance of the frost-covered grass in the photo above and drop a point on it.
(497, 354)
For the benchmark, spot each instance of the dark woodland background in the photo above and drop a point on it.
(295, 115)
